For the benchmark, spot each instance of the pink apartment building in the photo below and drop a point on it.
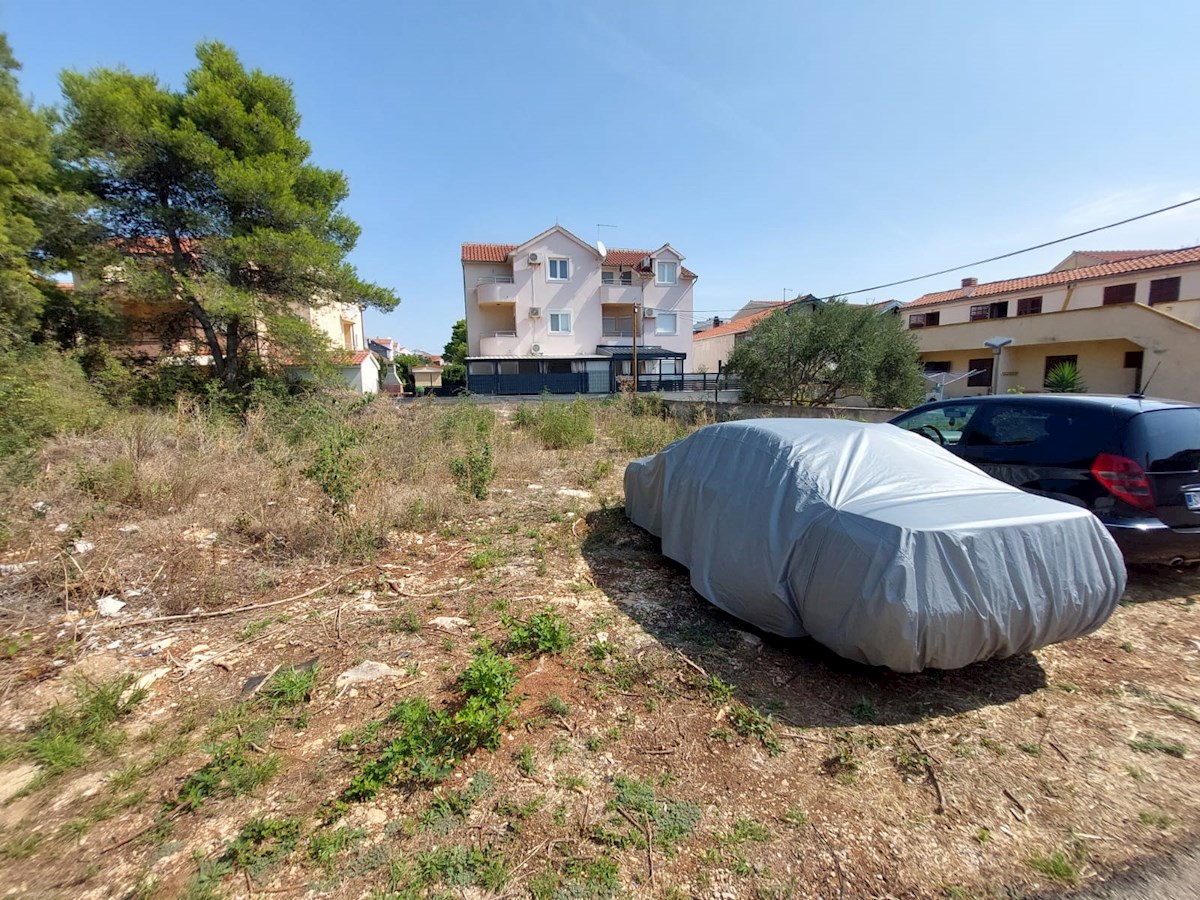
(554, 314)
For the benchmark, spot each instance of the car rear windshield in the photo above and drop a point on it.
(1061, 434)
(1166, 440)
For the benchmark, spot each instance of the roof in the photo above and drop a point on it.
(625, 351)
(1050, 279)
(386, 342)
(1112, 256)
(494, 253)
(348, 357)
(498, 253)
(735, 327)
(1128, 403)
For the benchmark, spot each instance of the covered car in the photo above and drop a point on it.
(874, 541)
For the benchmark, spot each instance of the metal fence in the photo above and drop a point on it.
(698, 381)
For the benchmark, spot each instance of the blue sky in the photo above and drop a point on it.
(820, 147)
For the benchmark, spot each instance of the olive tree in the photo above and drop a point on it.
(817, 355)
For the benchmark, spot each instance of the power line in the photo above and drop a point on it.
(990, 259)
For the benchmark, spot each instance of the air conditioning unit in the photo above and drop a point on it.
(535, 259)
(535, 312)
(536, 349)
(649, 313)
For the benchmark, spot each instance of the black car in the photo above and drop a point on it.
(1133, 461)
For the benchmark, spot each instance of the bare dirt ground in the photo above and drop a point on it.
(667, 751)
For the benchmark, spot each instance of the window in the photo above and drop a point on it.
(481, 368)
(924, 320)
(626, 278)
(664, 323)
(1134, 359)
(1164, 290)
(937, 367)
(990, 311)
(667, 273)
(607, 277)
(617, 326)
(1029, 306)
(982, 368)
(1119, 293)
(558, 269)
(945, 422)
(508, 367)
(560, 322)
(671, 366)
(1052, 361)
(558, 367)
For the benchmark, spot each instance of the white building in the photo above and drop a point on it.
(553, 314)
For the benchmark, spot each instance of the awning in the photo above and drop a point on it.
(625, 351)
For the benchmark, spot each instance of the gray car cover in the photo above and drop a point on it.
(876, 542)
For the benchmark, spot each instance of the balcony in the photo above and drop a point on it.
(620, 293)
(498, 343)
(617, 327)
(495, 289)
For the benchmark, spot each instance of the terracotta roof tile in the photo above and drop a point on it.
(487, 252)
(1050, 279)
(1119, 255)
(743, 324)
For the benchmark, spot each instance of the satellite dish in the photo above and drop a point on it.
(601, 249)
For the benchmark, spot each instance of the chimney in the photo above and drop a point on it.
(716, 321)
(968, 286)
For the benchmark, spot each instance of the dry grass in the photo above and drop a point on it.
(656, 749)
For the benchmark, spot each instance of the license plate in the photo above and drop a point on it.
(1192, 499)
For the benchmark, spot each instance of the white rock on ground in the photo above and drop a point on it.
(84, 547)
(572, 492)
(452, 624)
(363, 672)
(109, 606)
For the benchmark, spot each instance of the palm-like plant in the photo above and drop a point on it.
(1064, 378)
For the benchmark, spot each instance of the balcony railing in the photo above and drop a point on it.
(498, 343)
(620, 293)
(496, 289)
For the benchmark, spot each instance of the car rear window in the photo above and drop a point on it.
(1166, 440)
(1058, 435)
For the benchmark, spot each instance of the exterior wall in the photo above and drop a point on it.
(711, 352)
(1022, 369)
(331, 318)
(1099, 336)
(581, 296)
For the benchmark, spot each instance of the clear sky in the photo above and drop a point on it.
(819, 147)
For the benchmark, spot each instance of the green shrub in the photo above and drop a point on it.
(335, 466)
(43, 393)
(565, 426)
(645, 435)
(473, 471)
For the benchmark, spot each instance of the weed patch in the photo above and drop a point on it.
(427, 744)
(68, 735)
(545, 632)
(1148, 742)
(1057, 866)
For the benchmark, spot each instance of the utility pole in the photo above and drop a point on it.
(637, 308)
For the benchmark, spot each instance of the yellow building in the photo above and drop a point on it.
(1126, 319)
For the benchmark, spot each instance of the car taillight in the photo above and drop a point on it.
(1124, 479)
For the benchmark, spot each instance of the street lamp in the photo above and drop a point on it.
(997, 344)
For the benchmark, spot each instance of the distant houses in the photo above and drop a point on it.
(1129, 321)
